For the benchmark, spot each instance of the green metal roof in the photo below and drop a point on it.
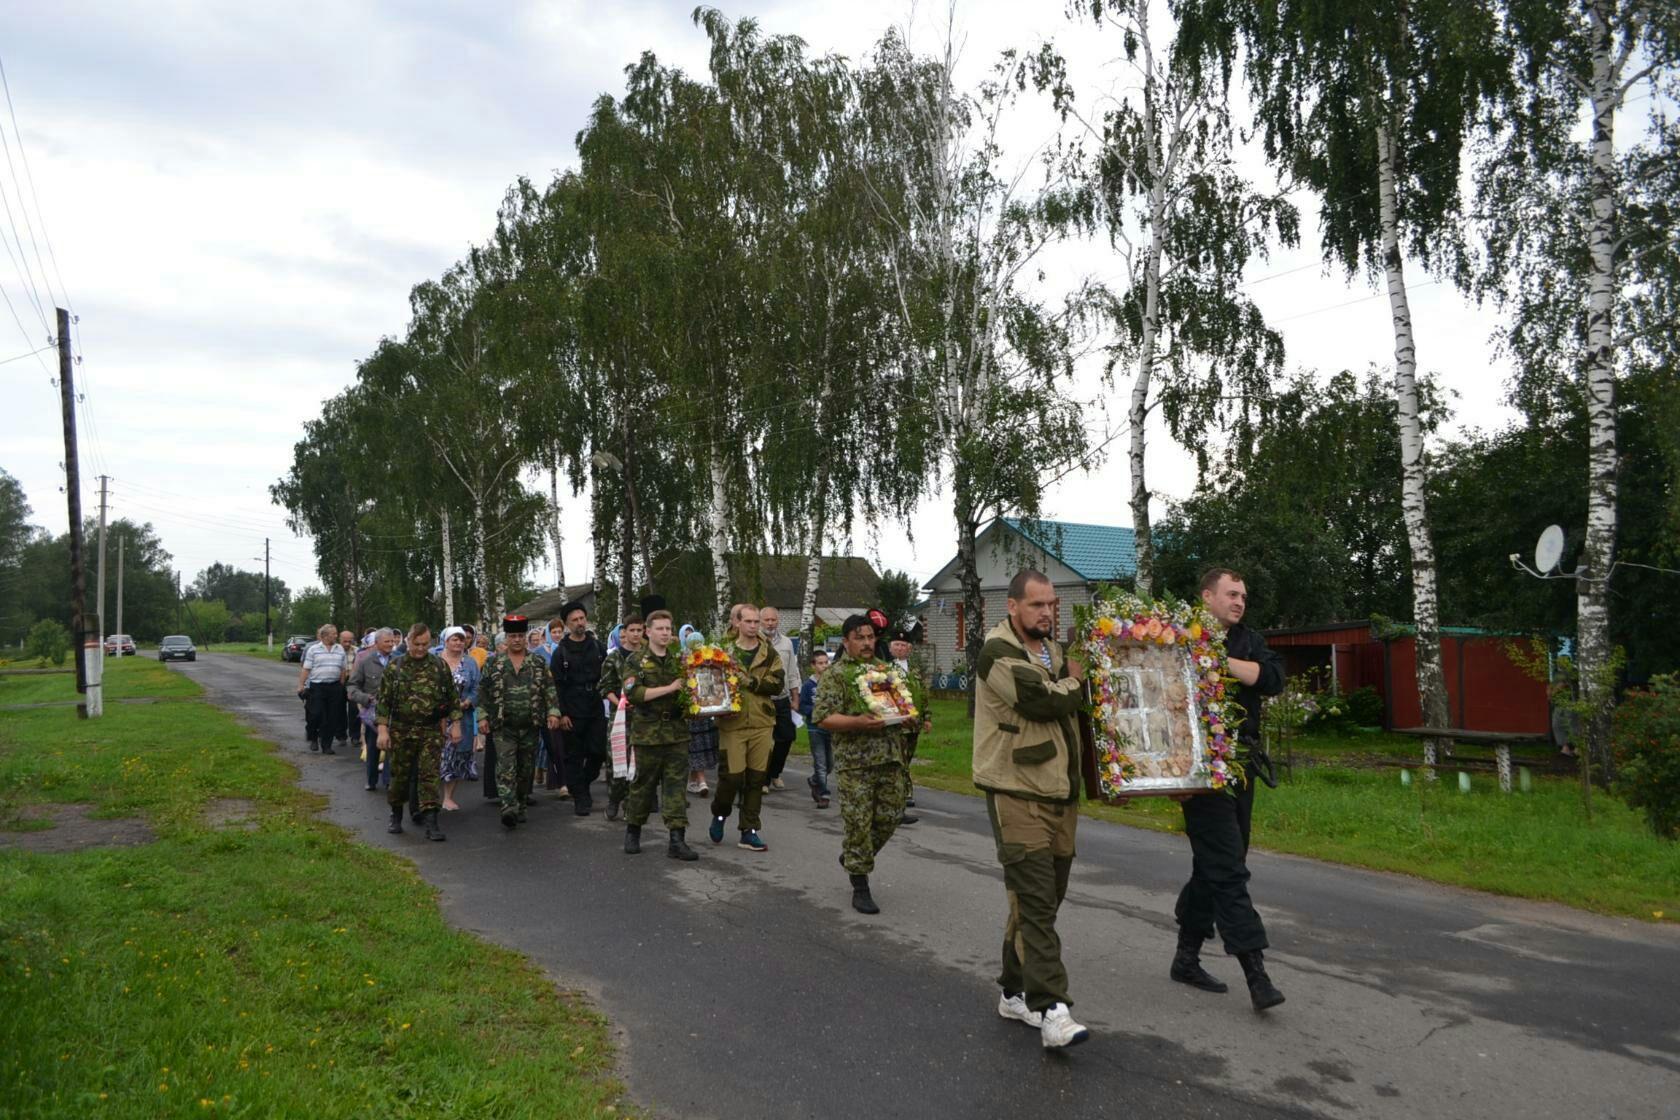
(1097, 552)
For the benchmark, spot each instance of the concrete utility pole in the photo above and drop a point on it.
(119, 588)
(268, 626)
(73, 494)
(104, 494)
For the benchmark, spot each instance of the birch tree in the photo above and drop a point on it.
(990, 361)
(1370, 107)
(1582, 251)
(1185, 224)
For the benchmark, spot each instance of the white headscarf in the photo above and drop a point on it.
(450, 632)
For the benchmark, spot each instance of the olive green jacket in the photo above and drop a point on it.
(1026, 734)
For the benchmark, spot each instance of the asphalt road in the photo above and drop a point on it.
(744, 986)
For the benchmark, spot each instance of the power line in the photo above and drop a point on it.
(21, 357)
(29, 174)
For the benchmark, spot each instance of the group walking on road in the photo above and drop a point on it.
(549, 702)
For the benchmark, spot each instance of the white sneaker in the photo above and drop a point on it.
(1015, 1007)
(1060, 1030)
(693, 787)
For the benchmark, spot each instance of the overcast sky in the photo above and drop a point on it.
(239, 198)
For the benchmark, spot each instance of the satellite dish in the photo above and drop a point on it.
(1549, 550)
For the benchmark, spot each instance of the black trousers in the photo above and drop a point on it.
(323, 712)
(781, 738)
(1217, 894)
(490, 792)
(585, 751)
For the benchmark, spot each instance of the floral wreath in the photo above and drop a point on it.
(709, 657)
(864, 676)
(1116, 619)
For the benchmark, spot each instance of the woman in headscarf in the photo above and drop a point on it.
(458, 756)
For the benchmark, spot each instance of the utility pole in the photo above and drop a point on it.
(268, 626)
(104, 494)
(119, 588)
(73, 493)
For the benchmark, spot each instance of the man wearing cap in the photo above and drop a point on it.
(660, 735)
(416, 694)
(576, 664)
(516, 700)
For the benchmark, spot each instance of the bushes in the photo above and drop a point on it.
(48, 640)
(1365, 706)
(1645, 736)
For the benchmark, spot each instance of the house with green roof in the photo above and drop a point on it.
(1076, 556)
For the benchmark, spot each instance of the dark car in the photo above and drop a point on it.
(119, 645)
(294, 647)
(177, 647)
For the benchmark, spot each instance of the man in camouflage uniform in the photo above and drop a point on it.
(614, 670)
(868, 759)
(518, 700)
(416, 694)
(660, 735)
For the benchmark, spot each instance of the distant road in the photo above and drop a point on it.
(744, 986)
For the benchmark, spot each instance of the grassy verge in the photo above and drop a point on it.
(281, 971)
(1536, 845)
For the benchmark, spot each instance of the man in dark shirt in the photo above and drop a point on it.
(576, 664)
(1217, 823)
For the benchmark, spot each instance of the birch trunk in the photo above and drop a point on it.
(1592, 587)
(1431, 680)
(481, 567)
(448, 574)
(554, 523)
(720, 544)
(598, 524)
(1138, 415)
(814, 557)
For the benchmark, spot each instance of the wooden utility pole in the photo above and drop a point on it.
(73, 494)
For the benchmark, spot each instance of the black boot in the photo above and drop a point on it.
(1187, 965)
(396, 819)
(433, 832)
(1260, 987)
(612, 809)
(861, 900)
(326, 747)
(314, 746)
(632, 839)
(677, 847)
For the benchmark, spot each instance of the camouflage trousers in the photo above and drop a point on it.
(416, 751)
(516, 765)
(871, 801)
(664, 769)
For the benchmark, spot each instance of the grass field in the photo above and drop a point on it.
(284, 970)
(1536, 845)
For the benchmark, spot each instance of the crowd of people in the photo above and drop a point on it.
(538, 706)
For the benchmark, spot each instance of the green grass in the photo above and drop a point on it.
(282, 971)
(1537, 845)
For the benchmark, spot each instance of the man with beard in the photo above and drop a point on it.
(1026, 758)
(576, 663)
(517, 701)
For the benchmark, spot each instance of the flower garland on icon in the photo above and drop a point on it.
(866, 680)
(709, 657)
(1115, 619)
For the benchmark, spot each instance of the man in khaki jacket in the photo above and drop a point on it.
(1026, 759)
(746, 738)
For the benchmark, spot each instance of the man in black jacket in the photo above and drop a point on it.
(1218, 823)
(576, 664)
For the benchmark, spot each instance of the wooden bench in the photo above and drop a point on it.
(1500, 741)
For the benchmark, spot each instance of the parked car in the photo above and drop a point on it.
(177, 647)
(294, 647)
(119, 645)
